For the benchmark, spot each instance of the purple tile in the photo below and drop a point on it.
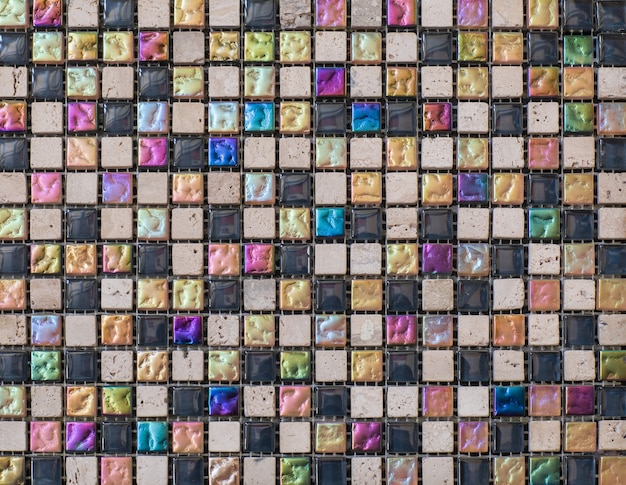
(223, 401)
(579, 400)
(330, 81)
(153, 152)
(117, 188)
(472, 13)
(81, 117)
(401, 330)
(473, 187)
(188, 330)
(80, 436)
(366, 436)
(47, 13)
(437, 258)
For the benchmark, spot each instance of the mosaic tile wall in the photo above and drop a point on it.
(312, 242)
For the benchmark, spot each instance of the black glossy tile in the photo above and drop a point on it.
(437, 48)
(81, 224)
(224, 295)
(612, 259)
(260, 366)
(612, 49)
(614, 401)
(14, 48)
(14, 366)
(259, 437)
(402, 118)
(331, 471)
(473, 471)
(117, 118)
(47, 83)
(153, 259)
(116, 437)
(611, 16)
(330, 296)
(474, 366)
(366, 225)
(508, 260)
(580, 470)
(224, 224)
(152, 331)
(578, 14)
(81, 294)
(509, 437)
(14, 259)
(153, 83)
(543, 47)
(544, 189)
(508, 119)
(119, 13)
(188, 401)
(436, 224)
(330, 118)
(13, 154)
(578, 225)
(402, 296)
(331, 401)
(402, 366)
(295, 259)
(46, 470)
(188, 470)
(260, 13)
(472, 296)
(189, 153)
(402, 437)
(81, 366)
(545, 366)
(611, 153)
(295, 189)
(579, 330)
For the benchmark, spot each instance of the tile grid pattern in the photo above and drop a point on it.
(226, 233)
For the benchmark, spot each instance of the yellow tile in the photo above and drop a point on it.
(401, 153)
(543, 81)
(259, 330)
(612, 294)
(330, 153)
(294, 224)
(47, 47)
(82, 46)
(580, 437)
(295, 47)
(188, 82)
(472, 153)
(82, 83)
(330, 437)
(295, 117)
(189, 13)
(82, 153)
(152, 294)
(118, 47)
(401, 259)
(367, 366)
(612, 470)
(188, 295)
(224, 46)
(259, 46)
(543, 13)
(295, 295)
(259, 82)
(578, 189)
(187, 188)
(578, 83)
(12, 467)
(152, 366)
(472, 46)
(367, 295)
(472, 83)
(401, 81)
(437, 189)
(509, 470)
(508, 188)
(45, 259)
(223, 365)
(81, 401)
(81, 259)
(366, 48)
(508, 47)
(366, 188)
(116, 329)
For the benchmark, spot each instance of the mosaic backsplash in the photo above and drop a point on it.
(292, 242)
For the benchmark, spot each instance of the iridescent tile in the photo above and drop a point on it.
(472, 83)
(295, 365)
(117, 400)
(437, 116)
(295, 117)
(152, 224)
(473, 437)
(366, 436)
(544, 295)
(544, 470)
(366, 366)
(401, 329)
(153, 46)
(401, 13)
(152, 117)
(259, 46)
(81, 117)
(12, 116)
(330, 81)
(472, 46)
(259, 82)
(544, 401)
(187, 437)
(188, 295)
(473, 259)
(82, 46)
(401, 153)
(509, 470)
(366, 48)
(612, 470)
(437, 258)
(81, 259)
(152, 436)
(223, 152)
(330, 437)
(82, 153)
(543, 14)
(118, 47)
(223, 117)
(437, 331)
(508, 47)
(295, 295)
(473, 187)
(611, 118)
(366, 188)
(14, 14)
(45, 437)
(543, 153)
(579, 259)
(294, 224)
(116, 258)
(45, 258)
(295, 471)
(189, 13)
(508, 401)
(82, 83)
(259, 330)
(580, 437)
(365, 117)
(80, 436)
(472, 13)
(472, 153)
(47, 13)
(578, 49)
(258, 117)
(259, 259)
(330, 153)
(45, 330)
(12, 224)
(223, 364)
(117, 188)
(223, 259)
(116, 470)
(401, 81)
(578, 118)
(543, 82)
(578, 83)
(508, 188)
(330, 330)
(613, 364)
(401, 470)
(116, 329)
(187, 188)
(611, 294)
(544, 223)
(509, 330)
(295, 47)
(437, 189)
(579, 400)
(46, 188)
(367, 295)
(152, 294)
(12, 401)
(294, 401)
(152, 366)
(47, 47)
(187, 329)
(188, 82)
(223, 470)
(330, 13)
(12, 295)
(437, 401)
(223, 46)
(81, 401)
(402, 259)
